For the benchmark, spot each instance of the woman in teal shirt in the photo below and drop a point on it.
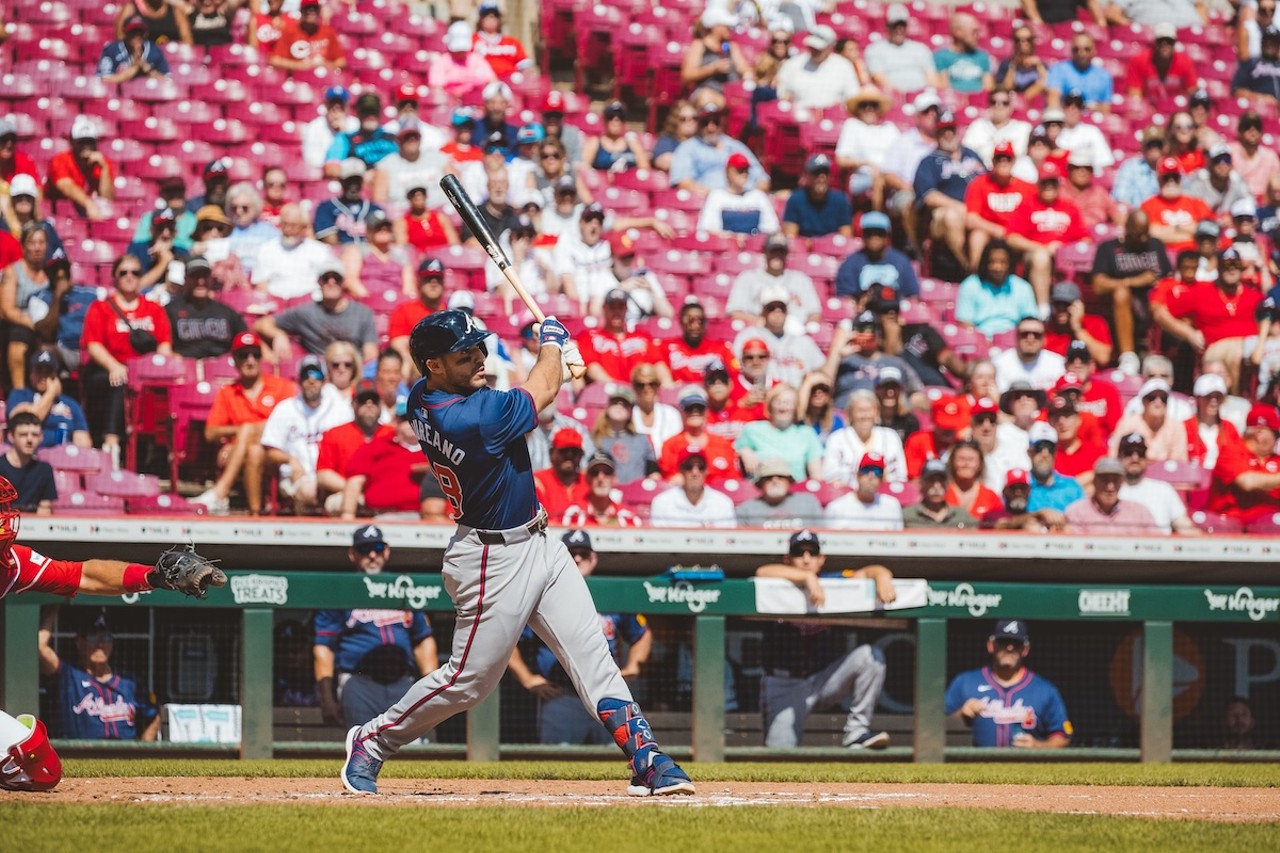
(782, 437)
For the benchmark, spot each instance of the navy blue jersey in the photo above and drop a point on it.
(938, 171)
(1032, 705)
(352, 634)
(476, 448)
(65, 416)
(817, 220)
(630, 626)
(99, 710)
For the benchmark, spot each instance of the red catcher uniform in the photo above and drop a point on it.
(617, 354)
(995, 203)
(502, 52)
(1183, 212)
(297, 45)
(688, 363)
(24, 570)
(722, 462)
(1224, 497)
(64, 165)
(1216, 315)
(1046, 223)
(555, 496)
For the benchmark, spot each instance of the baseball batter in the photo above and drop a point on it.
(27, 759)
(500, 568)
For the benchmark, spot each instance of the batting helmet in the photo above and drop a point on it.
(443, 332)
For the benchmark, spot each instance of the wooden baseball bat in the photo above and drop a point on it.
(470, 214)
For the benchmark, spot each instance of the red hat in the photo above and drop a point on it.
(1170, 166)
(553, 102)
(1049, 171)
(565, 438)
(948, 414)
(1004, 149)
(738, 160)
(621, 244)
(754, 345)
(1017, 477)
(246, 340)
(984, 406)
(871, 460)
(1262, 415)
(406, 92)
(1068, 382)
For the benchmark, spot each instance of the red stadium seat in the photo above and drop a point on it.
(164, 505)
(1212, 522)
(123, 484)
(88, 504)
(68, 457)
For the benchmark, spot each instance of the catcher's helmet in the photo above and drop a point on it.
(443, 332)
(9, 516)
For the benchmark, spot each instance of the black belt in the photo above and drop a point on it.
(515, 534)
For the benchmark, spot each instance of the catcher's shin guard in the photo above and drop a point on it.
(27, 759)
(631, 732)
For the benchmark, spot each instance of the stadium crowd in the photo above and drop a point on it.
(880, 267)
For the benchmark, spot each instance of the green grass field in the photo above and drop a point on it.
(34, 825)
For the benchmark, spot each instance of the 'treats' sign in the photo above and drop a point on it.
(260, 589)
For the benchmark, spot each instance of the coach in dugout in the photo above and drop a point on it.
(1005, 703)
(366, 659)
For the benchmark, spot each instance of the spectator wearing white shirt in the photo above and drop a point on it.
(318, 134)
(818, 78)
(802, 297)
(904, 160)
(1079, 135)
(289, 265)
(1159, 497)
(997, 126)
(693, 503)
(583, 261)
(794, 352)
(848, 445)
(645, 297)
(866, 143)
(1028, 359)
(865, 508)
(416, 163)
(738, 208)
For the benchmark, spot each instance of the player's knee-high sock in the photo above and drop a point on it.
(630, 731)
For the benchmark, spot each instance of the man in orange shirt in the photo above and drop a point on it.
(308, 43)
(338, 444)
(562, 485)
(722, 461)
(406, 316)
(1172, 214)
(236, 420)
(1246, 480)
(83, 172)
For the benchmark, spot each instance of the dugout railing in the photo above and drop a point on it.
(258, 594)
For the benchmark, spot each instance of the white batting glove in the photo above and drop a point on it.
(570, 358)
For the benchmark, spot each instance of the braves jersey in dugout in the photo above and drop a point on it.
(24, 570)
(352, 634)
(1032, 705)
(99, 710)
(477, 451)
(630, 626)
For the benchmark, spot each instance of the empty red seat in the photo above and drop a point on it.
(123, 484)
(165, 504)
(88, 503)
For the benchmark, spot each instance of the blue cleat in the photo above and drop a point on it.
(360, 772)
(663, 778)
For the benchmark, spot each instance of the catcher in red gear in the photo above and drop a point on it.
(27, 760)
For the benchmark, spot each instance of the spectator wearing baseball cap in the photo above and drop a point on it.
(61, 417)
(384, 475)
(1068, 323)
(1105, 512)
(600, 509)
(1161, 72)
(818, 78)
(341, 220)
(778, 506)
(1076, 451)
(133, 57)
(319, 133)
(1172, 213)
(1097, 207)
(82, 175)
(1259, 77)
(865, 508)
(992, 198)
(817, 210)
(1041, 226)
(645, 296)
(876, 263)
(338, 444)
(940, 184)
(744, 296)
(738, 207)
(934, 512)
(1252, 160)
(897, 63)
(570, 137)
(308, 43)
(1124, 270)
(700, 163)
(562, 485)
(202, 326)
(1081, 137)
(1159, 497)
(378, 268)
(1207, 431)
(1216, 183)
(716, 450)
(496, 97)
(1246, 481)
(1137, 179)
(319, 323)
(1165, 435)
(1050, 490)
(416, 163)
(370, 143)
(504, 53)
(692, 503)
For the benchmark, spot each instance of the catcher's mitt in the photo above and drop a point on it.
(181, 569)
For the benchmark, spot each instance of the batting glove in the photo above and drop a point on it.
(551, 332)
(569, 359)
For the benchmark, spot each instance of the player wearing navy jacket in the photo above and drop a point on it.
(93, 700)
(561, 717)
(1006, 703)
(500, 569)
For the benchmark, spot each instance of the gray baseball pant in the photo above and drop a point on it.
(787, 702)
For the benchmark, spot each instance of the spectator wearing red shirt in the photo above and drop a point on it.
(386, 474)
(689, 356)
(1100, 397)
(83, 173)
(722, 461)
(950, 416)
(1075, 456)
(1071, 387)
(1042, 225)
(1161, 72)
(406, 316)
(1207, 431)
(12, 161)
(505, 54)
(1246, 480)
(1068, 323)
(966, 470)
(338, 445)
(1217, 319)
(562, 485)
(724, 418)
(600, 509)
(991, 200)
(1173, 216)
(308, 43)
(266, 28)
(611, 352)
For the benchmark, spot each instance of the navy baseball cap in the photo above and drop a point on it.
(93, 621)
(311, 367)
(337, 95)
(577, 540)
(367, 536)
(1011, 629)
(804, 540)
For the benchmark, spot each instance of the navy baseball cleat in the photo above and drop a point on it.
(869, 740)
(664, 777)
(360, 772)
